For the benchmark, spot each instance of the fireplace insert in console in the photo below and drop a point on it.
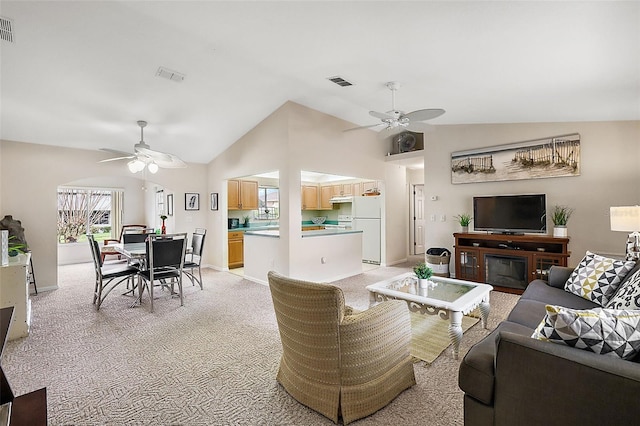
(506, 271)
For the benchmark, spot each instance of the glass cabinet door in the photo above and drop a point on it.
(542, 263)
(468, 265)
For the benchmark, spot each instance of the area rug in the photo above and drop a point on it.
(430, 336)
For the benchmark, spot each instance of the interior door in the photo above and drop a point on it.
(418, 222)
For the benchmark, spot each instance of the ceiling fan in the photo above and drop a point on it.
(396, 121)
(144, 156)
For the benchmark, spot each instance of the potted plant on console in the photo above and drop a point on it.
(560, 216)
(424, 273)
(464, 219)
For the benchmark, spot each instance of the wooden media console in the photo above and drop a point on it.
(507, 262)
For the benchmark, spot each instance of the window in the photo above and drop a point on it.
(82, 211)
(268, 203)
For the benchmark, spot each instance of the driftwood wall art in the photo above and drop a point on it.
(556, 156)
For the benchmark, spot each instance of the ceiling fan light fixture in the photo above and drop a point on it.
(135, 166)
(153, 168)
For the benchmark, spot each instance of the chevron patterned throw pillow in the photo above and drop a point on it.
(603, 331)
(597, 278)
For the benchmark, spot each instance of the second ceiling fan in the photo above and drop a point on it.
(396, 121)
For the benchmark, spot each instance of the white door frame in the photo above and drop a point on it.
(417, 220)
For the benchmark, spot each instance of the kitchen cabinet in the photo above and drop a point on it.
(309, 197)
(508, 262)
(347, 189)
(326, 192)
(236, 249)
(242, 194)
(370, 186)
(361, 187)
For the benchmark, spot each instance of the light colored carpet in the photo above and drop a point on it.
(211, 362)
(430, 335)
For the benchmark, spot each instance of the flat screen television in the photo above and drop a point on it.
(510, 214)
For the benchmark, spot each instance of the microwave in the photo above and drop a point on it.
(233, 223)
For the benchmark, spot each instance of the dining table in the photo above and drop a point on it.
(136, 252)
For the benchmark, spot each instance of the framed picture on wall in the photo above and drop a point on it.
(191, 201)
(214, 201)
(160, 202)
(170, 205)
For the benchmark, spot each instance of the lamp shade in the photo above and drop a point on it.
(625, 218)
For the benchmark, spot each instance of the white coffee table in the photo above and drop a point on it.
(448, 298)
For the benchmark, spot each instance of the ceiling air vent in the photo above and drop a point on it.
(170, 75)
(6, 29)
(340, 81)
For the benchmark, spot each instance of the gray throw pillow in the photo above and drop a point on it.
(628, 296)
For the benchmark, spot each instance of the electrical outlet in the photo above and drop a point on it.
(433, 218)
(443, 218)
(434, 198)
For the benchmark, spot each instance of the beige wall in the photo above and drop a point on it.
(610, 153)
(30, 175)
(296, 138)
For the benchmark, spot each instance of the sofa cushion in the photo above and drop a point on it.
(610, 332)
(476, 374)
(597, 278)
(628, 295)
(540, 291)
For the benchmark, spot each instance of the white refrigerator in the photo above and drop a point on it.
(367, 214)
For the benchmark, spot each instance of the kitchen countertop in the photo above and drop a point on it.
(274, 233)
(305, 224)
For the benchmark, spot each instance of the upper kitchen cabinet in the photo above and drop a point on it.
(366, 187)
(242, 194)
(309, 197)
(326, 192)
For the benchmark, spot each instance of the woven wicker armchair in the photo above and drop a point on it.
(336, 360)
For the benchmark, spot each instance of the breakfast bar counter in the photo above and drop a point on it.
(319, 255)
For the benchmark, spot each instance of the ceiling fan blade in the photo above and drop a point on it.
(424, 114)
(390, 131)
(417, 126)
(117, 158)
(115, 151)
(363, 127)
(381, 115)
(154, 155)
(172, 163)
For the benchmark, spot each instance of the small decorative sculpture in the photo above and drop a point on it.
(15, 230)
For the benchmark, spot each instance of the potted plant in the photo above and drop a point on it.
(560, 216)
(424, 273)
(464, 219)
(164, 228)
(245, 222)
(15, 248)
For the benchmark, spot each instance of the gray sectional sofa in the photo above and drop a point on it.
(511, 379)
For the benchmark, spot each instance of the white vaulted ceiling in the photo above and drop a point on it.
(81, 73)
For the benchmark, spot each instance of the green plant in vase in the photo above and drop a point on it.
(464, 219)
(560, 216)
(15, 248)
(424, 273)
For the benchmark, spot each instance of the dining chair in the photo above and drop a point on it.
(165, 260)
(136, 236)
(195, 257)
(106, 250)
(107, 276)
